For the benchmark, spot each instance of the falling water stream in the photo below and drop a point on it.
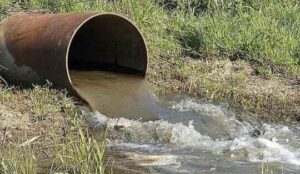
(181, 134)
(116, 94)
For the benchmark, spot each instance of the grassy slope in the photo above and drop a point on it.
(220, 52)
(245, 53)
(216, 51)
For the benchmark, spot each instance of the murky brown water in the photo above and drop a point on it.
(115, 94)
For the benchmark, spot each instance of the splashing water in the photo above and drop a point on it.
(186, 135)
(189, 132)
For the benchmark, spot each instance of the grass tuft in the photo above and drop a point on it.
(61, 141)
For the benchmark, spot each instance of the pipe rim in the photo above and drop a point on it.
(83, 23)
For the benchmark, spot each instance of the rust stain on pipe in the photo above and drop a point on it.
(39, 47)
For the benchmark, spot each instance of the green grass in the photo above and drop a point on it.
(264, 34)
(85, 155)
(79, 154)
(41, 102)
(21, 161)
(232, 82)
(57, 139)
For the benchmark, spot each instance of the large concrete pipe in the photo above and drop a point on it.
(39, 47)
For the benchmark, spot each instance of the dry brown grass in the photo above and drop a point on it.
(273, 99)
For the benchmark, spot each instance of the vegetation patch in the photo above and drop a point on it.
(242, 52)
(274, 99)
(42, 131)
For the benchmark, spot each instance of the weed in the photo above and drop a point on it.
(19, 161)
(83, 155)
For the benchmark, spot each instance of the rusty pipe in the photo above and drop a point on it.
(39, 47)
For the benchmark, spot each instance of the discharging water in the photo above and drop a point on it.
(183, 134)
(115, 94)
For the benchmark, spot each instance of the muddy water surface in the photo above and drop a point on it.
(115, 94)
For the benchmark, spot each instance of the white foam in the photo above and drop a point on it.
(218, 114)
(192, 105)
(154, 132)
(274, 151)
(273, 145)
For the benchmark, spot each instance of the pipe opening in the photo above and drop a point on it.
(108, 42)
(107, 62)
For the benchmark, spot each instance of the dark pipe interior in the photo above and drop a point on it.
(108, 43)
